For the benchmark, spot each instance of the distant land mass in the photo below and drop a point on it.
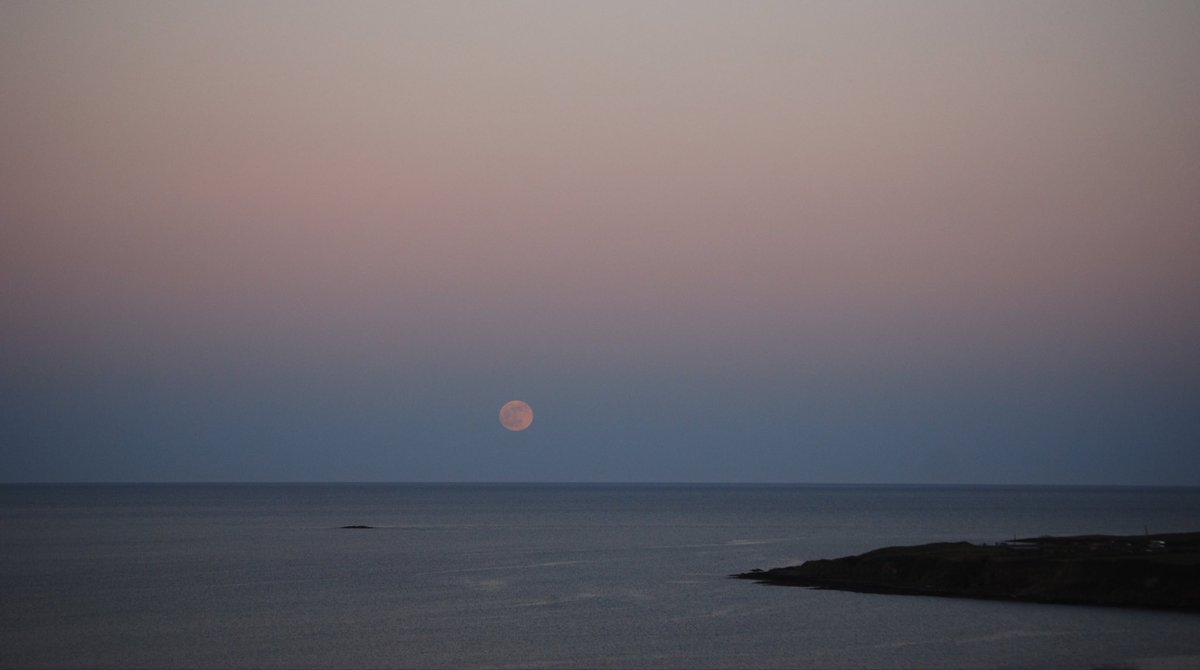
(1160, 571)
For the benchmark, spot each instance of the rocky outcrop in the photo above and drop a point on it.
(1157, 571)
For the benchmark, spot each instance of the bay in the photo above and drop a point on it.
(542, 575)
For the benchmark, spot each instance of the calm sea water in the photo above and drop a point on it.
(541, 576)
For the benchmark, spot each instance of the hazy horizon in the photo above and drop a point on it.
(631, 483)
(923, 242)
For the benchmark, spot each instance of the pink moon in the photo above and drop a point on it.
(516, 415)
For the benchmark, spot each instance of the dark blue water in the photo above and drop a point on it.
(541, 576)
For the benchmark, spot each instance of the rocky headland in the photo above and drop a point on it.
(1159, 571)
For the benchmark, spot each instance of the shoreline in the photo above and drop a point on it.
(1159, 571)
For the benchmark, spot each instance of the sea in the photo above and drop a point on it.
(543, 576)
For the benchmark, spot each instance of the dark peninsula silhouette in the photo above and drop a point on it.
(1159, 571)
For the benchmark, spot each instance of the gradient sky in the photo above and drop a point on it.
(758, 242)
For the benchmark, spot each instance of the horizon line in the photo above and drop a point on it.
(583, 483)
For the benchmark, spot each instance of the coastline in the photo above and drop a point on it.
(1160, 571)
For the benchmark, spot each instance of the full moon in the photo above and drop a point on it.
(516, 415)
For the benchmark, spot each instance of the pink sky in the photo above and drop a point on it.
(708, 179)
(593, 201)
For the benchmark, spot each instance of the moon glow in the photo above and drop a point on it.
(516, 415)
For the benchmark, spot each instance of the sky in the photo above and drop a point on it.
(844, 242)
